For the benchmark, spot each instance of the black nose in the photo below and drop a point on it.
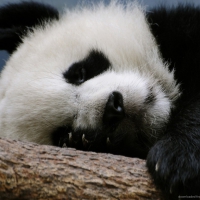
(114, 110)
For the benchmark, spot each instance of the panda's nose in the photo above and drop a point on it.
(114, 109)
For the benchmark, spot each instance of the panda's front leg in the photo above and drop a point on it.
(174, 161)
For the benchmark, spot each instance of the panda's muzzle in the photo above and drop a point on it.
(103, 136)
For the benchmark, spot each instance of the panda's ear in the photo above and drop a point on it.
(16, 19)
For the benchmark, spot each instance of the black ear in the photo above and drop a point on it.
(17, 19)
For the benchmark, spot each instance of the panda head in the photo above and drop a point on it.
(90, 78)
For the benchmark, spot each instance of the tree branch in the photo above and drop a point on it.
(31, 171)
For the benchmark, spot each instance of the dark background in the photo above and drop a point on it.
(61, 4)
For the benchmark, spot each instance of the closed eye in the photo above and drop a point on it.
(76, 74)
(94, 64)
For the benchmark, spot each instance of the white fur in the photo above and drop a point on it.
(35, 98)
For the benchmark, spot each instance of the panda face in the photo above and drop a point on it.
(93, 79)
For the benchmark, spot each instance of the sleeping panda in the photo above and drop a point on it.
(107, 78)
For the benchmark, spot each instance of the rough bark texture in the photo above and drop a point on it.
(30, 171)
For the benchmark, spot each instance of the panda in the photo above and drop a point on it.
(110, 78)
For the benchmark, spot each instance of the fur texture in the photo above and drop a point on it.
(97, 79)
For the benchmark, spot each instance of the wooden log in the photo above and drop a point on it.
(30, 171)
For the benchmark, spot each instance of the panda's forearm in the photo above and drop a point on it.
(175, 158)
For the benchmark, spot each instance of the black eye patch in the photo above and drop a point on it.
(94, 64)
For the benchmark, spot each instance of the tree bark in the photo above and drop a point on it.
(30, 171)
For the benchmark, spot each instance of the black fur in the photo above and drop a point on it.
(177, 32)
(94, 64)
(17, 19)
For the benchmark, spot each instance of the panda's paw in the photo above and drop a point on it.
(63, 138)
(86, 143)
(91, 140)
(175, 169)
(80, 142)
(66, 140)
